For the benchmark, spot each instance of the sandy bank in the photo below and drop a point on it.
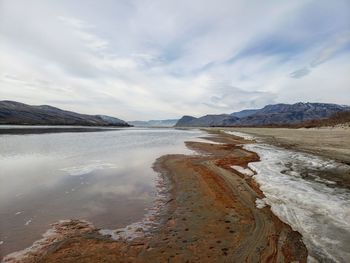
(332, 143)
(210, 215)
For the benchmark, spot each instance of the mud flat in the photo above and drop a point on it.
(209, 214)
(329, 142)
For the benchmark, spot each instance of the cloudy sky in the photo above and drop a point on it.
(145, 59)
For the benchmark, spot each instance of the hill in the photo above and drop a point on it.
(337, 119)
(12, 112)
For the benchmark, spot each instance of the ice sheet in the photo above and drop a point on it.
(312, 205)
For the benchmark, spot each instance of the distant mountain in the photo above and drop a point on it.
(277, 114)
(244, 113)
(12, 112)
(155, 123)
(291, 113)
(207, 121)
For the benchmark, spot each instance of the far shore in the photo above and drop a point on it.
(37, 129)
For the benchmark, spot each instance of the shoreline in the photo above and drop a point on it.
(329, 142)
(210, 214)
(55, 129)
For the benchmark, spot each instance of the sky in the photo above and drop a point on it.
(159, 59)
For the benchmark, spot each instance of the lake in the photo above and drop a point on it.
(103, 177)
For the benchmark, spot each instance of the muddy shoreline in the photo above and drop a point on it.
(209, 215)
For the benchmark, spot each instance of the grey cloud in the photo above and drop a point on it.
(300, 73)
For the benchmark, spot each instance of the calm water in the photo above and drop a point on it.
(103, 177)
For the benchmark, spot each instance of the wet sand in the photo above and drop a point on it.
(209, 215)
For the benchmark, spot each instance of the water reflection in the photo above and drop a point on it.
(103, 177)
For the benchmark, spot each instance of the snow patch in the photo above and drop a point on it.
(242, 135)
(260, 203)
(246, 171)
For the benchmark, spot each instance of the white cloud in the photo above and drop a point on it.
(163, 59)
(326, 53)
